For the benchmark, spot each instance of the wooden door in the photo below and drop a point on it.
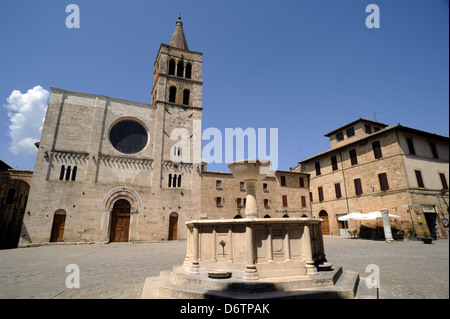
(173, 226)
(120, 222)
(325, 224)
(59, 222)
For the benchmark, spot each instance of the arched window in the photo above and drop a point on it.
(180, 68)
(174, 184)
(170, 180)
(266, 216)
(68, 173)
(179, 181)
(188, 72)
(61, 174)
(172, 94)
(186, 94)
(172, 67)
(74, 173)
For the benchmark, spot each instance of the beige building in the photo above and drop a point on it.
(371, 166)
(282, 194)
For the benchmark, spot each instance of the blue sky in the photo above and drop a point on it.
(304, 67)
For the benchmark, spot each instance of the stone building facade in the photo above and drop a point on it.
(109, 170)
(371, 166)
(282, 194)
(14, 190)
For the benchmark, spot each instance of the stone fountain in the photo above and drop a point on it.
(252, 257)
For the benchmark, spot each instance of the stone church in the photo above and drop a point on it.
(103, 171)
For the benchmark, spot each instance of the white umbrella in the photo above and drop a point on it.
(377, 214)
(352, 216)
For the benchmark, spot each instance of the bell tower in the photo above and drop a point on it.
(177, 77)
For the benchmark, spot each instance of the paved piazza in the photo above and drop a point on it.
(407, 269)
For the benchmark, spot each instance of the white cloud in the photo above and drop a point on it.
(26, 113)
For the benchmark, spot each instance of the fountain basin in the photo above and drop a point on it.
(255, 248)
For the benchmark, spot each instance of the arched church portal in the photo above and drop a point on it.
(120, 221)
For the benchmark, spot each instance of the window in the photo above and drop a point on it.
(320, 191)
(283, 180)
(265, 189)
(351, 132)
(337, 189)
(61, 174)
(340, 136)
(334, 163)
(170, 181)
(301, 181)
(219, 184)
(68, 173)
(180, 68)
(179, 181)
(285, 201)
(172, 94)
(376, 129)
(377, 149)
(242, 186)
(411, 149)
(317, 164)
(128, 137)
(434, 150)
(303, 201)
(443, 181)
(172, 67)
(368, 129)
(358, 186)
(188, 71)
(174, 181)
(74, 173)
(266, 203)
(384, 185)
(218, 201)
(311, 197)
(186, 94)
(419, 178)
(239, 202)
(353, 158)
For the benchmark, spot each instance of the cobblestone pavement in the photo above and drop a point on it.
(407, 269)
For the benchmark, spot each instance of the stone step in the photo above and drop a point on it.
(345, 287)
(364, 292)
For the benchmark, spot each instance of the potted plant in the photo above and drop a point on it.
(426, 238)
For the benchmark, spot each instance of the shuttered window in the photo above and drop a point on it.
(353, 157)
(443, 181)
(302, 181)
(384, 185)
(320, 191)
(411, 149)
(285, 201)
(334, 163)
(377, 150)
(337, 189)
(419, 178)
(358, 186)
(283, 180)
(317, 164)
(303, 201)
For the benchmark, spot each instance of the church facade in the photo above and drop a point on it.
(104, 170)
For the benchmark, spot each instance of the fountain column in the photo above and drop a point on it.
(251, 209)
(195, 241)
(250, 268)
(310, 267)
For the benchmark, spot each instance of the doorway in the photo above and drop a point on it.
(59, 223)
(120, 222)
(325, 224)
(173, 226)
